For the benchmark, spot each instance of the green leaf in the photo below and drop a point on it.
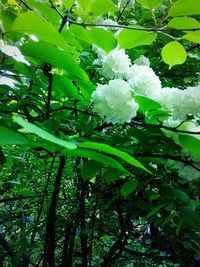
(146, 103)
(65, 87)
(7, 19)
(89, 169)
(193, 36)
(113, 151)
(173, 54)
(44, 9)
(185, 7)
(42, 51)
(93, 155)
(132, 38)
(155, 210)
(191, 217)
(33, 23)
(68, 3)
(129, 187)
(31, 128)
(149, 4)
(9, 137)
(182, 196)
(183, 23)
(167, 190)
(102, 7)
(191, 144)
(112, 175)
(98, 37)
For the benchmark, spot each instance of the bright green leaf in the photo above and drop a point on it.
(102, 7)
(31, 128)
(183, 23)
(113, 151)
(193, 36)
(173, 54)
(42, 52)
(185, 7)
(93, 155)
(191, 144)
(149, 4)
(98, 37)
(146, 103)
(33, 23)
(132, 38)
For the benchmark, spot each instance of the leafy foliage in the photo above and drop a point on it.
(76, 191)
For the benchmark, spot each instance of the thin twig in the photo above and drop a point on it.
(27, 6)
(151, 29)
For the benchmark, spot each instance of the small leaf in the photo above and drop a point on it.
(185, 7)
(146, 103)
(183, 23)
(9, 137)
(132, 38)
(149, 4)
(191, 217)
(154, 211)
(98, 37)
(191, 143)
(89, 169)
(31, 128)
(193, 36)
(129, 187)
(173, 54)
(102, 7)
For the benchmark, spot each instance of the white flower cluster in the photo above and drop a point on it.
(114, 103)
(143, 80)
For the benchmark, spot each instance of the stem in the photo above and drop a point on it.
(49, 245)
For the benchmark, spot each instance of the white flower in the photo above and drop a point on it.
(143, 80)
(115, 64)
(14, 52)
(142, 60)
(114, 102)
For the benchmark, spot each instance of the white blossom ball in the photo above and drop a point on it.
(142, 60)
(143, 80)
(116, 64)
(114, 103)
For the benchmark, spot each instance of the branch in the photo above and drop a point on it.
(24, 4)
(172, 157)
(75, 109)
(21, 198)
(163, 127)
(49, 245)
(56, 9)
(123, 9)
(151, 29)
(147, 255)
(7, 246)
